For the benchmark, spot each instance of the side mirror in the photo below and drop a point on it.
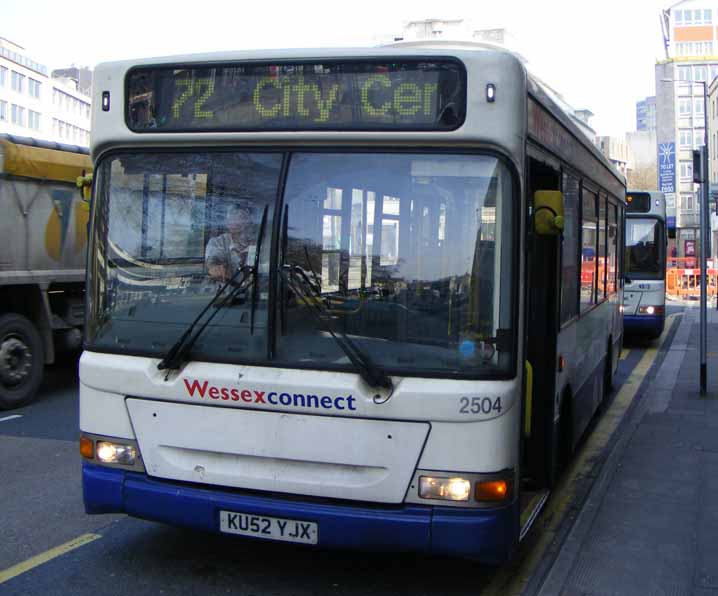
(84, 183)
(548, 212)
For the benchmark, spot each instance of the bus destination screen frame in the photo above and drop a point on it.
(638, 202)
(427, 94)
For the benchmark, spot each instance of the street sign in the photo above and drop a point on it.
(667, 167)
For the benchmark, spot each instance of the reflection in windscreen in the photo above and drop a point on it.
(406, 252)
(170, 229)
(408, 255)
(644, 247)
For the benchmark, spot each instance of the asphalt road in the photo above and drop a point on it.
(41, 505)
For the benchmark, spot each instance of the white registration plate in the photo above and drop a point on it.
(271, 528)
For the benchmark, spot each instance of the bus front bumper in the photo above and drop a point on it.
(649, 324)
(488, 535)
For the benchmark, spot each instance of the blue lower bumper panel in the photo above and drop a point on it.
(648, 324)
(487, 534)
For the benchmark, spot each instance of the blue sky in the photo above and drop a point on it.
(599, 55)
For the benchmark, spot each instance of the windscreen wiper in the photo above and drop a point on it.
(368, 371)
(177, 353)
(179, 350)
(255, 279)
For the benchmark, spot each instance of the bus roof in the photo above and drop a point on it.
(485, 64)
(45, 160)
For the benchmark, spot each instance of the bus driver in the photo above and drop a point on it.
(225, 253)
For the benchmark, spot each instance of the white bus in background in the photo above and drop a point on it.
(414, 331)
(644, 298)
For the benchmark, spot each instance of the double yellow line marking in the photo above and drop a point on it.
(48, 555)
(511, 579)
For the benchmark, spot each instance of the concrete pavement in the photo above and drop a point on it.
(650, 522)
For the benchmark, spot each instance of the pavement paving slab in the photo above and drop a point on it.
(650, 523)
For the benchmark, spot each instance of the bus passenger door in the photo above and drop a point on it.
(542, 296)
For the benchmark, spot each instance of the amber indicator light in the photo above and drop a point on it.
(86, 448)
(493, 490)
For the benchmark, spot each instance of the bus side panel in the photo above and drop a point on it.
(586, 338)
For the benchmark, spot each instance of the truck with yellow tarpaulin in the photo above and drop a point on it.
(43, 244)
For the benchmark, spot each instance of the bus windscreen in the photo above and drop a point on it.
(280, 96)
(645, 248)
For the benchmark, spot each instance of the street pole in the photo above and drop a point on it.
(704, 180)
(704, 242)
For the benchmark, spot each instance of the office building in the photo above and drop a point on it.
(691, 62)
(38, 105)
(617, 151)
(713, 165)
(646, 114)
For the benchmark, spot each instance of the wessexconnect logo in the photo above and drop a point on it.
(203, 390)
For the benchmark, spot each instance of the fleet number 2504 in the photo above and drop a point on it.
(480, 405)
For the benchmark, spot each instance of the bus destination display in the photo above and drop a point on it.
(638, 202)
(396, 95)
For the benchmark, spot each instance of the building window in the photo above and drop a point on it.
(684, 73)
(699, 73)
(707, 16)
(18, 82)
(685, 139)
(33, 120)
(687, 203)
(3, 76)
(3, 111)
(18, 115)
(698, 106)
(707, 48)
(678, 15)
(684, 106)
(33, 88)
(698, 137)
(686, 170)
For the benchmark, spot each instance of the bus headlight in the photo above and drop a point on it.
(110, 451)
(651, 310)
(115, 453)
(448, 489)
(473, 490)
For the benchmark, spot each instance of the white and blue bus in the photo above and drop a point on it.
(348, 298)
(644, 298)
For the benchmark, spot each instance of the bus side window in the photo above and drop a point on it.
(569, 249)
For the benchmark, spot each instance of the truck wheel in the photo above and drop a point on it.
(21, 361)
